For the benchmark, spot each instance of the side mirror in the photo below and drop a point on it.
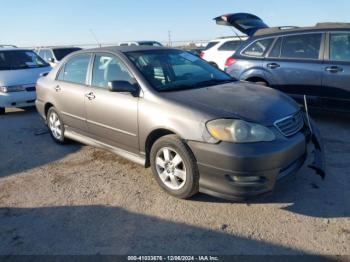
(51, 60)
(122, 87)
(44, 74)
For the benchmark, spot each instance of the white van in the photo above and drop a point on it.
(19, 71)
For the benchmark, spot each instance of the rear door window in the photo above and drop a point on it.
(75, 69)
(339, 47)
(258, 48)
(306, 46)
(230, 46)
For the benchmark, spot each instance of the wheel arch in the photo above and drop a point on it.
(153, 137)
(257, 79)
(47, 106)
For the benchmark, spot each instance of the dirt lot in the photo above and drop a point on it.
(75, 199)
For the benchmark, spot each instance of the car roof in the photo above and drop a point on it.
(229, 38)
(125, 49)
(15, 49)
(291, 29)
(56, 47)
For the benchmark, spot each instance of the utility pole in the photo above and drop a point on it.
(169, 39)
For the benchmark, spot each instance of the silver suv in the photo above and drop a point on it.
(196, 127)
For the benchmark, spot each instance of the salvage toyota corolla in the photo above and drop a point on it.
(195, 126)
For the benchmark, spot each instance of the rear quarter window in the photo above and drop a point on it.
(210, 45)
(258, 48)
(230, 46)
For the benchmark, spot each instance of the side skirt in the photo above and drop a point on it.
(141, 160)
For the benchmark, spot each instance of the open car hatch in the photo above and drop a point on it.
(246, 23)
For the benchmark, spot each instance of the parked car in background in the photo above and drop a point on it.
(217, 51)
(312, 61)
(7, 46)
(140, 43)
(198, 129)
(19, 71)
(53, 55)
(195, 50)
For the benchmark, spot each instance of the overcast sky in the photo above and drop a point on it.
(49, 22)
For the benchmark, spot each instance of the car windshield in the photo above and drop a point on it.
(172, 70)
(60, 53)
(20, 59)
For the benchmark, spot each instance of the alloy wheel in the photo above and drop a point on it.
(171, 168)
(55, 125)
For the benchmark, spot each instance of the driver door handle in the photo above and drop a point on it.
(273, 65)
(334, 69)
(90, 96)
(57, 88)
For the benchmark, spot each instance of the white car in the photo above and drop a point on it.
(217, 51)
(139, 43)
(53, 55)
(19, 71)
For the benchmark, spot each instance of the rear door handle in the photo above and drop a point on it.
(57, 88)
(90, 96)
(334, 69)
(273, 65)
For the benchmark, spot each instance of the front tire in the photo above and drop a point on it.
(174, 167)
(2, 110)
(56, 126)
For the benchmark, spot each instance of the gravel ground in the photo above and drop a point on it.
(75, 199)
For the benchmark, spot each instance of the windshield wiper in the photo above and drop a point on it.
(176, 88)
(214, 82)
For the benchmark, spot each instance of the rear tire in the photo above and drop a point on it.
(2, 110)
(56, 126)
(174, 167)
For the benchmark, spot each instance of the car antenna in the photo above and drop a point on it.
(95, 37)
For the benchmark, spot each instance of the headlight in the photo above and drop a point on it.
(7, 89)
(3, 89)
(239, 131)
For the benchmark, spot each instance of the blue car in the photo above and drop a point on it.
(300, 61)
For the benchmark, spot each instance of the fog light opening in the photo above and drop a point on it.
(246, 179)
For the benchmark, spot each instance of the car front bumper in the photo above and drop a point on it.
(242, 171)
(17, 99)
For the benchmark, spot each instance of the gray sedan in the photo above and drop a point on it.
(195, 126)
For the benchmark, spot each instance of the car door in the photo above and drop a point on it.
(112, 116)
(336, 71)
(294, 65)
(70, 89)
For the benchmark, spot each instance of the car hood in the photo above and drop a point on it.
(246, 23)
(22, 76)
(241, 100)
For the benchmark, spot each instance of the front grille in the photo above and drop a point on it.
(290, 125)
(30, 89)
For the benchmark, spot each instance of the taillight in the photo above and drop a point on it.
(230, 61)
(201, 54)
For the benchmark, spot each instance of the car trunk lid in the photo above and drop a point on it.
(246, 23)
